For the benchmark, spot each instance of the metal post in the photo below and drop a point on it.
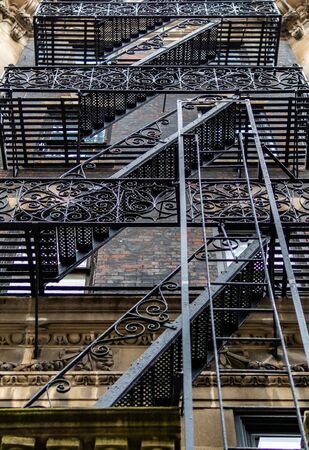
(185, 306)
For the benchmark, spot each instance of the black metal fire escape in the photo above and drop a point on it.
(249, 120)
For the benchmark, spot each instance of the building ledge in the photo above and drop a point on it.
(90, 428)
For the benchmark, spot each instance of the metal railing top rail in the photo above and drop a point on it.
(101, 9)
(171, 79)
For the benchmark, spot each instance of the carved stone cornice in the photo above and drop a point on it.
(206, 379)
(90, 362)
(65, 339)
(90, 428)
(24, 379)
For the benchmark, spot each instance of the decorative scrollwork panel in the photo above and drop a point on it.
(156, 79)
(173, 9)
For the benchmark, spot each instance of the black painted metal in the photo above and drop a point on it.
(144, 9)
(148, 382)
(195, 49)
(160, 39)
(150, 314)
(122, 78)
(251, 40)
(51, 114)
(73, 214)
(49, 128)
(142, 202)
(139, 385)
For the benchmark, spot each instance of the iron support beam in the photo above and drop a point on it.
(185, 305)
(300, 316)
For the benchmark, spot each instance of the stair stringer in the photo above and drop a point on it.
(131, 171)
(89, 115)
(133, 378)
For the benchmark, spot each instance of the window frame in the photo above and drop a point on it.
(253, 424)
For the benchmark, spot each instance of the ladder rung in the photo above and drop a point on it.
(226, 166)
(239, 283)
(249, 338)
(259, 310)
(257, 371)
(234, 259)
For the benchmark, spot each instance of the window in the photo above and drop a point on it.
(281, 442)
(268, 429)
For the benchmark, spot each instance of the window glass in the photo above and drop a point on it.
(279, 442)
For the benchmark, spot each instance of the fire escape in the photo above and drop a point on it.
(226, 159)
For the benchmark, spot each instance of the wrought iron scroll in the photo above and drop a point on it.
(163, 9)
(81, 202)
(148, 316)
(155, 79)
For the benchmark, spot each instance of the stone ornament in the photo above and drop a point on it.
(20, 18)
(294, 18)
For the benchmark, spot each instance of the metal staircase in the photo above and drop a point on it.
(68, 226)
(68, 203)
(151, 314)
(89, 42)
(251, 126)
(156, 378)
(248, 32)
(54, 127)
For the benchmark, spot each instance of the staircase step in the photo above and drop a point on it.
(138, 384)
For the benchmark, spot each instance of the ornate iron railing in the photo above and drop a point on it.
(151, 314)
(196, 48)
(204, 50)
(50, 128)
(64, 221)
(155, 79)
(251, 40)
(161, 9)
(142, 202)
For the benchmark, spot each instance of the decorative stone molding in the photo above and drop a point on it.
(294, 18)
(240, 360)
(206, 379)
(20, 19)
(66, 339)
(17, 443)
(63, 444)
(91, 429)
(107, 443)
(75, 379)
(91, 362)
(157, 445)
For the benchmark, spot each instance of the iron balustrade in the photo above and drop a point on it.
(137, 385)
(63, 219)
(143, 202)
(76, 40)
(120, 78)
(207, 44)
(54, 127)
(86, 41)
(84, 32)
(194, 49)
(162, 9)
